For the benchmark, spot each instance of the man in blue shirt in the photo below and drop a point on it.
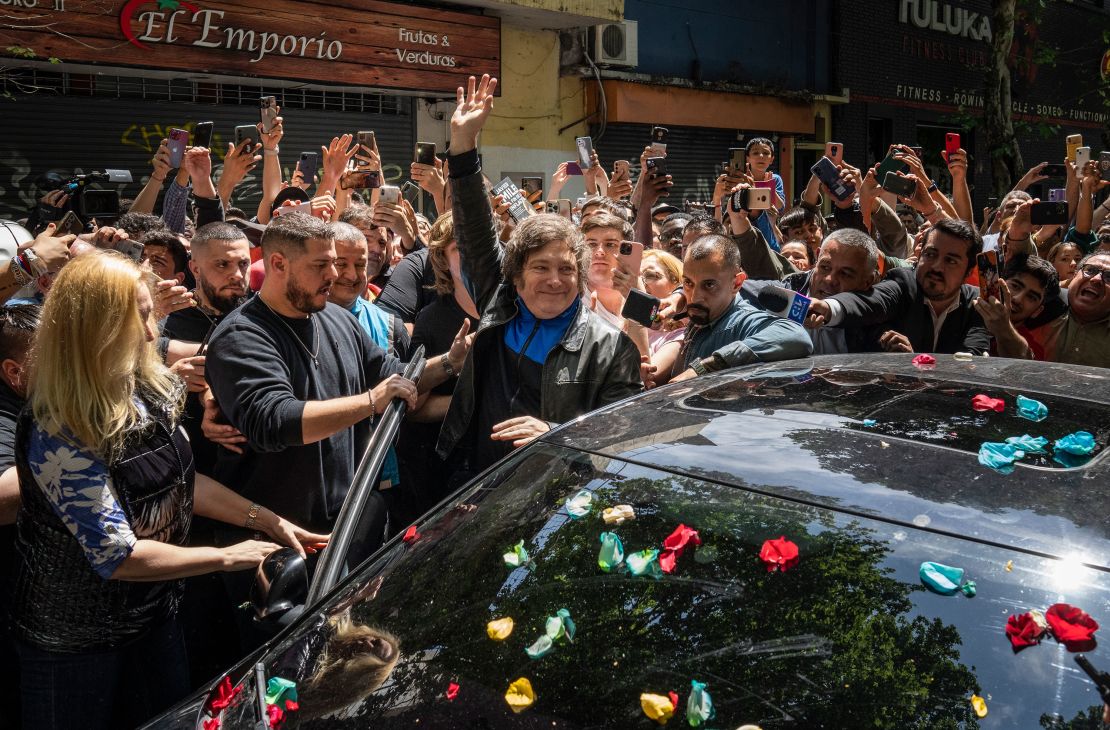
(385, 329)
(725, 331)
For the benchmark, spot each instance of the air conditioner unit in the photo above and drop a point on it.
(615, 44)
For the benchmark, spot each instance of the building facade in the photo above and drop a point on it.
(914, 70)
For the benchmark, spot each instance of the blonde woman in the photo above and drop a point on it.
(662, 274)
(108, 493)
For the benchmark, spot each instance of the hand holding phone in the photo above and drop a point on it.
(829, 174)
(659, 140)
(641, 307)
(425, 153)
(267, 112)
(307, 166)
(989, 274)
(202, 135)
(585, 151)
(178, 142)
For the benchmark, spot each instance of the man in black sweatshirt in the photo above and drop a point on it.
(302, 380)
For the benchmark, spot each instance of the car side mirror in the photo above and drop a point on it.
(280, 585)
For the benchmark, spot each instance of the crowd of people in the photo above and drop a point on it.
(173, 411)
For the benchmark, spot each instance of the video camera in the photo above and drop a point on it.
(89, 202)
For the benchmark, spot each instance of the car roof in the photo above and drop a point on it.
(802, 430)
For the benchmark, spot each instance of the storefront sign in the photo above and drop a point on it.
(350, 42)
(973, 100)
(945, 18)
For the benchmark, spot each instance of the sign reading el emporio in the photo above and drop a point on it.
(349, 42)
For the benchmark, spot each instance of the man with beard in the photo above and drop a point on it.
(220, 261)
(302, 380)
(926, 309)
(303, 383)
(725, 331)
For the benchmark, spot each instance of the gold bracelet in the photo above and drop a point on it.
(252, 515)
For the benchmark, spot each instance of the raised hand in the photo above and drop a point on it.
(474, 107)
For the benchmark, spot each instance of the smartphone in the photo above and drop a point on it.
(360, 180)
(890, 164)
(737, 161)
(573, 168)
(829, 174)
(1104, 164)
(631, 255)
(70, 223)
(992, 203)
(1082, 157)
(621, 171)
(657, 166)
(244, 132)
(565, 208)
(531, 185)
(425, 153)
(835, 152)
(900, 186)
(390, 194)
(551, 206)
(131, 249)
(585, 151)
(267, 112)
(751, 199)
(1057, 195)
(202, 135)
(918, 152)
(308, 164)
(641, 307)
(1046, 214)
(519, 208)
(989, 273)
(659, 140)
(1074, 141)
(1054, 170)
(178, 141)
(951, 144)
(305, 207)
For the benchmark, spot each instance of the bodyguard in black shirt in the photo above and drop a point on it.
(302, 380)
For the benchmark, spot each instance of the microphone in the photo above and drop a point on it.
(782, 302)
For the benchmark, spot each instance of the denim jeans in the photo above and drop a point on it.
(112, 688)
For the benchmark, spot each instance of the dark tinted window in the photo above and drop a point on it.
(846, 638)
(915, 409)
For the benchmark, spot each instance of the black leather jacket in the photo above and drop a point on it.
(594, 364)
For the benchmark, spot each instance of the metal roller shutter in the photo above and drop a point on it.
(694, 154)
(64, 133)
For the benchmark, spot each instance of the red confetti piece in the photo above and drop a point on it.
(291, 706)
(275, 715)
(675, 544)
(225, 693)
(983, 402)
(924, 361)
(411, 535)
(674, 699)
(211, 724)
(781, 554)
(1072, 626)
(1023, 630)
(452, 691)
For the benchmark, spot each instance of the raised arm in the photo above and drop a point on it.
(475, 231)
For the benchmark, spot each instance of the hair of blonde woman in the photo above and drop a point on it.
(91, 355)
(439, 238)
(671, 264)
(347, 670)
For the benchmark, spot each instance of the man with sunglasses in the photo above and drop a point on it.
(1081, 336)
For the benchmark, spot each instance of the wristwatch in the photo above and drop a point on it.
(698, 367)
(932, 188)
(252, 515)
(447, 366)
(20, 276)
(38, 266)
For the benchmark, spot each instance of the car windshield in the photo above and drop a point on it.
(845, 637)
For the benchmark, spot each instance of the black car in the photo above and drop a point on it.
(867, 464)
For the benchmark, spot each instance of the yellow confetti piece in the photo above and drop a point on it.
(520, 695)
(980, 705)
(1009, 565)
(499, 629)
(618, 514)
(657, 707)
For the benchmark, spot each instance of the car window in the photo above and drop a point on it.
(847, 637)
